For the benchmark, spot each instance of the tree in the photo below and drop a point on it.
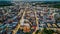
(27, 33)
(45, 31)
(37, 31)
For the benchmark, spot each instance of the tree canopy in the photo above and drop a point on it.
(45, 31)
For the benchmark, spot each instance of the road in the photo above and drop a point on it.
(18, 26)
(36, 22)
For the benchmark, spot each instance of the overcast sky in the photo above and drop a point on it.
(29, 0)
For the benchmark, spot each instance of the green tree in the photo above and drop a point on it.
(45, 31)
(27, 33)
(37, 31)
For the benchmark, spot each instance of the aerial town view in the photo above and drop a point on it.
(29, 17)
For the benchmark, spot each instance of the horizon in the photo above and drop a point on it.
(30, 0)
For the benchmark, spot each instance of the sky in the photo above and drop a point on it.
(29, 0)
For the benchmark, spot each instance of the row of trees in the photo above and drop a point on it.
(44, 31)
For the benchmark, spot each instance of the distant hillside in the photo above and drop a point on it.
(5, 3)
(50, 4)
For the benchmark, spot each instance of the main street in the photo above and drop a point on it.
(36, 22)
(18, 26)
